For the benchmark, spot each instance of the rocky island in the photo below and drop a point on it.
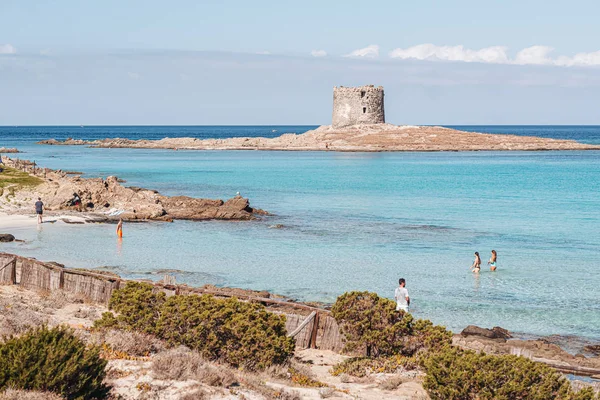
(108, 198)
(367, 138)
(358, 124)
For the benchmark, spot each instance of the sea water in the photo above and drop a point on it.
(355, 221)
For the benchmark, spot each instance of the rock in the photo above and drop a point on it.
(593, 348)
(494, 333)
(6, 237)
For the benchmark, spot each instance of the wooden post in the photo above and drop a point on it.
(312, 344)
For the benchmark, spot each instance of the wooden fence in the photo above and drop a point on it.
(312, 327)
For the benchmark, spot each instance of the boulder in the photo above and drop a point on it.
(593, 348)
(494, 333)
(6, 237)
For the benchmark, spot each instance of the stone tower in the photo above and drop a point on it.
(357, 106)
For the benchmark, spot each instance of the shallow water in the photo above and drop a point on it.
(357, 221)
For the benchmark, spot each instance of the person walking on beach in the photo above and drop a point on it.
(476, 267)
(120, 228)
(401, 296)
(492, 262)
(39, 210)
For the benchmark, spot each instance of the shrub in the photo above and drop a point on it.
(138, 306)
(458, 374)
(239, 333)
(52, 360)
(371, 323)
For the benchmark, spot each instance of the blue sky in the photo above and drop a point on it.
(275, 62)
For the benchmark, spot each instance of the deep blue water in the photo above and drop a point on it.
(356, 221)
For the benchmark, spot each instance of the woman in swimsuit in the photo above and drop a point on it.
(492, 262)
(120, 228)
(476, 267)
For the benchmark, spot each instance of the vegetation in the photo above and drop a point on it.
(371, 324)
(453, 373)
(20, 179)
(52, 360)
(363, 366)
(395, 340)
(242, 334)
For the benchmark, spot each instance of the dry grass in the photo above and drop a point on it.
(17, 317)
(11, 394)
(132, 343)
(326, 393)
(57, 299)
(393, 382)
(196, 395)
(183, 364)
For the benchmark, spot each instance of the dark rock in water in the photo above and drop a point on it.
(70, 221)
(593, 348)
(6, 237)
(494, 333)
(276, 226)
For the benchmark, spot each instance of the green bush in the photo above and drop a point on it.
(52, 360)
(239, 333)
(454, 374)
(371, 324)
(138, 305)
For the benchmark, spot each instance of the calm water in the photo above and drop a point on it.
(356, 221)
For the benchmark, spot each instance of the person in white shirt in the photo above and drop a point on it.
(401, 296)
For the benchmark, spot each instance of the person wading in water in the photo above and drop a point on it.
(476, 267)
(401, 296)
(493, 259)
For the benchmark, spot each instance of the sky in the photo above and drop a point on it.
(275, 62)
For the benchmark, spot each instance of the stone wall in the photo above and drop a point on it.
(357, 106)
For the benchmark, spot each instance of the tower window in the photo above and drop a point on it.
(362, 94)
(364, 110)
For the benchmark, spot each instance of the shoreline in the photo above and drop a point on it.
(105, 200)
(547, 350)
(360, 138)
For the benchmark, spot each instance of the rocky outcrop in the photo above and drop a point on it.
(9, 150)
(109, 198)
(498, 341)
(6, 237)
(376, 137)
(494, 333)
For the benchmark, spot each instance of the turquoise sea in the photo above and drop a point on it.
(356, 221)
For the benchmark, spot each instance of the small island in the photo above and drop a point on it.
(358, 124)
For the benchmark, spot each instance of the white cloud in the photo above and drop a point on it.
(495, 54)
(134, 75)
(264, 53)
(534, 55)
(7, 49)
(318, 53)
(371, 51)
